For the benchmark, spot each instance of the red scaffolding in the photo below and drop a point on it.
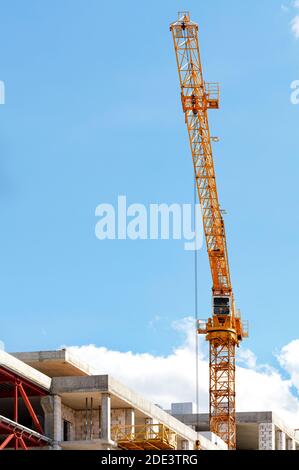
(14, 434)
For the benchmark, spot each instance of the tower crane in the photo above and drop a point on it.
(224, 330)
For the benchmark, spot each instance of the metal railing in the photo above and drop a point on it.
(202, 326)
(143, 433)
(212, 90)
(245, 327)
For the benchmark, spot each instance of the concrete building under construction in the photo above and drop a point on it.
(259, 430)
(52, 400)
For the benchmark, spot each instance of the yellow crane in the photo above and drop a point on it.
(224, 330)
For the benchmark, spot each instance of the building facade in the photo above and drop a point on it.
(51, 400)
(262, 430)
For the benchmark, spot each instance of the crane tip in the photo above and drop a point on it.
(183, 16)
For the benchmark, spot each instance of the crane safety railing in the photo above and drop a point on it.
(144, 432)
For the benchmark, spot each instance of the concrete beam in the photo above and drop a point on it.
(94, 383)
(56, 363)
(23, 370)
(94, 444)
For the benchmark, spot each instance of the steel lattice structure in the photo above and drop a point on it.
(224, 330)
(15, 434)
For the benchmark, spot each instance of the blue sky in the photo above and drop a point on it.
(93, 111)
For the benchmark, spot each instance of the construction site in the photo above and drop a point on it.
(52, 400)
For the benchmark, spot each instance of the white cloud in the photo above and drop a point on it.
(295, 26)
(286, 8)
(289, 360)
(163, 379)
(295, 21)
(171, 378)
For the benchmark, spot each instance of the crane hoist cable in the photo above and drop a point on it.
(196, 310)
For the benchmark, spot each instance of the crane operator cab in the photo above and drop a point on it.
(222, 305)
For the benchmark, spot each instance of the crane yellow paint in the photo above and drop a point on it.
(224, 330)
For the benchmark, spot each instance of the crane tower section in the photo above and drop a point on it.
(224, 330)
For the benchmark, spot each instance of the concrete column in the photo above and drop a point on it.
(106, 417)
(57, 419)
(266, 436)
(185, 445)
(130, 417)
(291, 444)
(281, 440)
(130, 420)
(51, 405)
(47, 406)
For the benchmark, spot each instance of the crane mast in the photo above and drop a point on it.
(224, 330)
